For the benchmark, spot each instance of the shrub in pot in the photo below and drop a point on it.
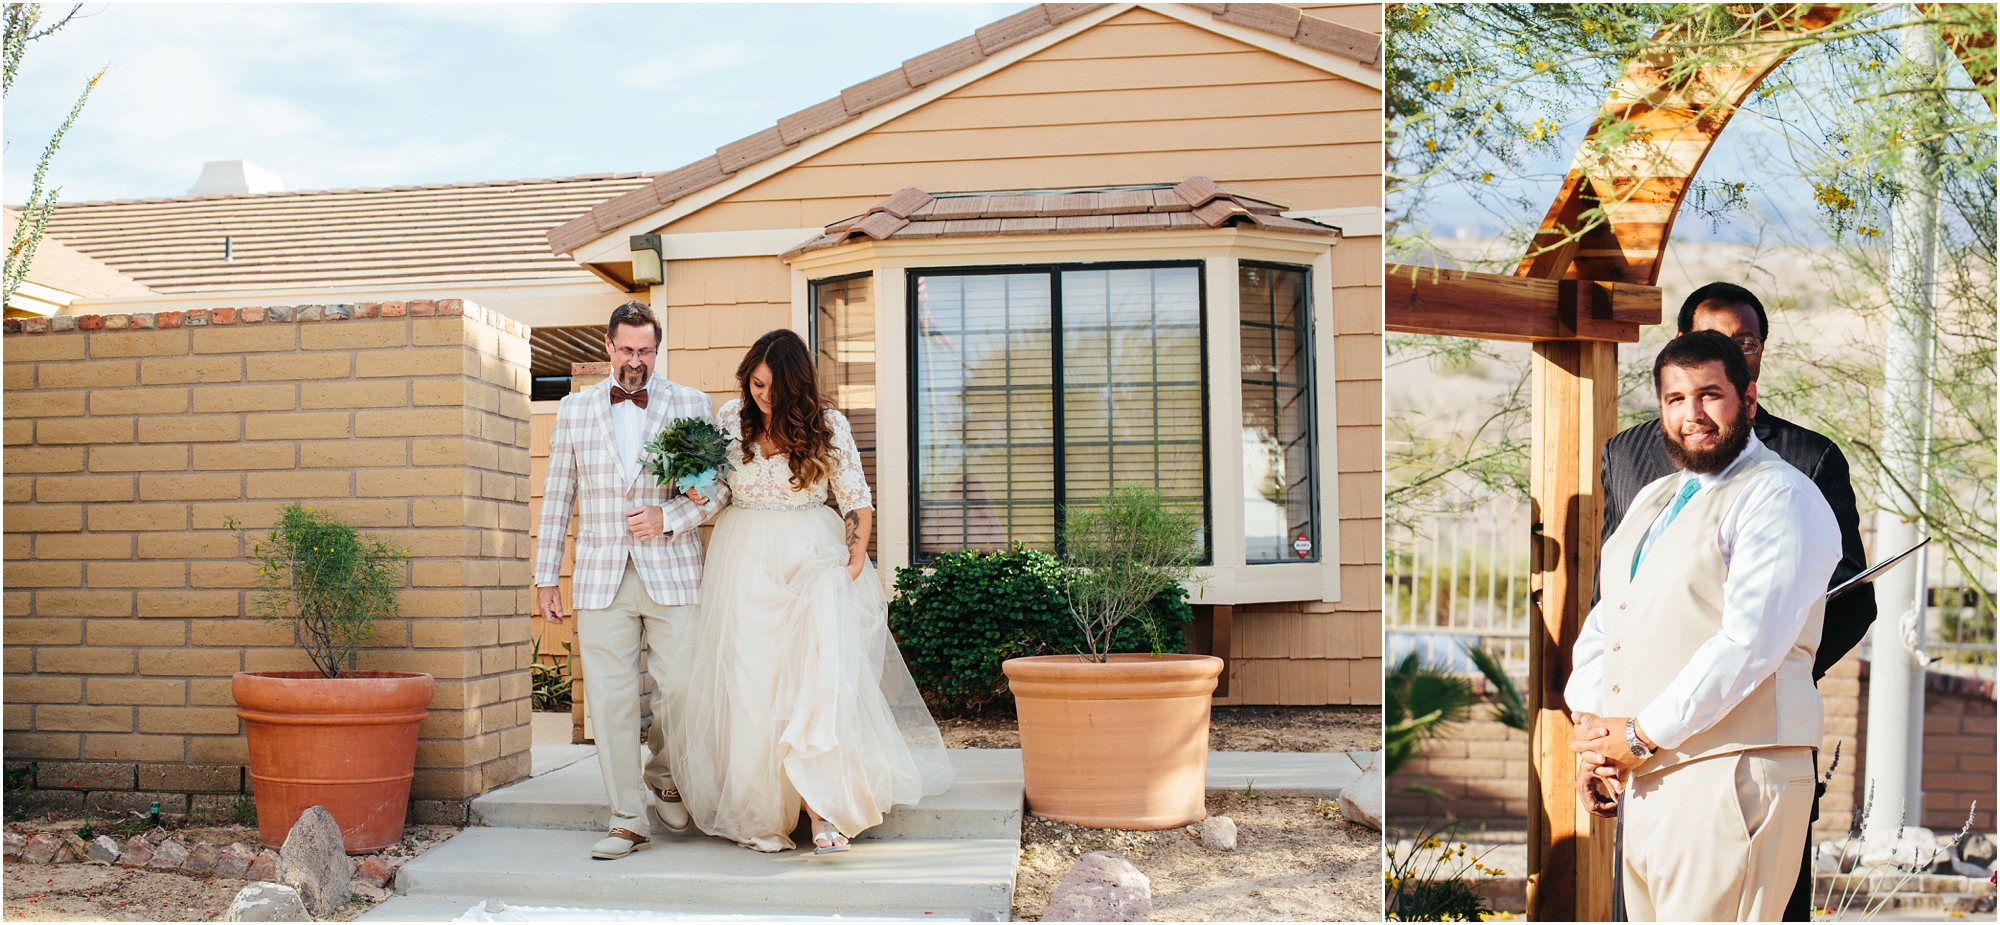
(962, 614)
(1114, 740)
(335, 736)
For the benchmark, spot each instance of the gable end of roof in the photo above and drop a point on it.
(1273, 18)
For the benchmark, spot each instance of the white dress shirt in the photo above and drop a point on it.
(1779, 541)
(628, 433)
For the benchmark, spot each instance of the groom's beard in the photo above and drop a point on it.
(633, 378)
(1732, 438)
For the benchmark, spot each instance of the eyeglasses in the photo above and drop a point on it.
(624, 354)
(1751, 344)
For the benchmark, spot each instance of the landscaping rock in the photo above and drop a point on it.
(374, 870)
(1218, 833)
(102, 850)
(15, 841)
(234, 862)
(373, 894)
(1911, 847)
(1101, 887)
(1361, 801)
(169, 855)
(267, 902)
(73, 850)
(138, 852)
(41, 848)
(263, 867)
(1977, 850)
(314, 862)
(201, 860)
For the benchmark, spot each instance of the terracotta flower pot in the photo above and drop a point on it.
(348, 744)
(1118, 745)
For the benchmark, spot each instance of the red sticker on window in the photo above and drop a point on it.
(1303, 546)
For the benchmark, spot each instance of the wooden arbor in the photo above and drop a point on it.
(1576, 297)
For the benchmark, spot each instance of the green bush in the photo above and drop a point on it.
(957, 618)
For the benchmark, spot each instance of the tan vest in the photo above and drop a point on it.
(1653, 622)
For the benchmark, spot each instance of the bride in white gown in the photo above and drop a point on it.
(787, 690)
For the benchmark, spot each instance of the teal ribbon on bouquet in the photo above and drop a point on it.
(701, 481)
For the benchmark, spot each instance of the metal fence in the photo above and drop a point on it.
(1460, 579)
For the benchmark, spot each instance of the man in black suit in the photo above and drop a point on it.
(1638, 456)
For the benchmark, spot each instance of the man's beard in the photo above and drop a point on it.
(1731, 439)
(633, 378)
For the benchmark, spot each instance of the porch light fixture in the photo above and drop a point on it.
(647, 267)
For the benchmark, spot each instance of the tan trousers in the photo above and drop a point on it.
(609, 641)
(1717, 840)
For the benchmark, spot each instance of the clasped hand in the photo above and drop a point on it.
(1606, 760)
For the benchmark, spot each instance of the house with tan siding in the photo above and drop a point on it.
(1087, 245)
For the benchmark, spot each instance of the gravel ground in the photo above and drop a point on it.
(95, 892)
(1230, 729)
(1296, 859)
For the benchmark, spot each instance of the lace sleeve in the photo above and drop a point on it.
(848, 483)
(730, 418)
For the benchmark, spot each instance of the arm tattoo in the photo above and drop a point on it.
(853, 519)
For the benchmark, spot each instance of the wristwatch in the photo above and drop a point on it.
(1632, 743)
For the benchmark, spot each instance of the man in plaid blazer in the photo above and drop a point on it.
(638, 563)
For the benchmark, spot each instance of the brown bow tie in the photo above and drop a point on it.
(637, 398)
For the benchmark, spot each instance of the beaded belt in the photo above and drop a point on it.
(764, 506)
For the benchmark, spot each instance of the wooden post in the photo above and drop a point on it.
(1575, 409)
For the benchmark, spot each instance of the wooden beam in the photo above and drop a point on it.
(1677, 116)
(1575, 395)
(1485, 305)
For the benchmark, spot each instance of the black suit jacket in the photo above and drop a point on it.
(1636, 458)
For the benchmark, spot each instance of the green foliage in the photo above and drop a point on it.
(327, 582)
(1419, 703)
(1510, 709)
(686, 448)
(958, 617)
(21, 28)
(1123, 550)
(549, 684)
(1429, 882)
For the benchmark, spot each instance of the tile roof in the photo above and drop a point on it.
(61, 267)
(1194, 204)
(450, 233)
(1275, 18)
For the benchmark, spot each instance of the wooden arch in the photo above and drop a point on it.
(1576, 296)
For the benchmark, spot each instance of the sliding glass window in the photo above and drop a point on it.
(1011, 424)
(1280, 501)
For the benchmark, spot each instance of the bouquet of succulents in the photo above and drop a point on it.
(690, 453)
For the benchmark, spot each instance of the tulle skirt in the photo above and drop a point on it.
(788, 687)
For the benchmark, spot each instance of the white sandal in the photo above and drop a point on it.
(824, 839)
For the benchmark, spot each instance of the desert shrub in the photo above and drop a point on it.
(962, 614)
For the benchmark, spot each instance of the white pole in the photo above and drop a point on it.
(1896, 677)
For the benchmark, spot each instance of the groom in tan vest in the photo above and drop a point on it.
(1692, 684)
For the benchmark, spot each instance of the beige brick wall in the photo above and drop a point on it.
(1483, 767)
(128, 601)
(1959, 748)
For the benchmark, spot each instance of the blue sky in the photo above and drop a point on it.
(346, 95)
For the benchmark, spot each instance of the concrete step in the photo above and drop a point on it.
(962, 879)
(984, 802)
(450, 908)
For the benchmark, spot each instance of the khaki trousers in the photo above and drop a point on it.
(1717, 840)
(609, 642)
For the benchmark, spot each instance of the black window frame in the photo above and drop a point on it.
(1054, 271)
(1309, 366)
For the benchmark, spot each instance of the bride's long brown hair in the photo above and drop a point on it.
(798, 412)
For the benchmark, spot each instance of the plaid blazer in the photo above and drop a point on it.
(583, 470)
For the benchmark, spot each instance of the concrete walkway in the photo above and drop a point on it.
(951, 857)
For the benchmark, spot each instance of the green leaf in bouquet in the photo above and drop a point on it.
(688, 446)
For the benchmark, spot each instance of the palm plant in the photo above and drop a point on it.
(1420, 702)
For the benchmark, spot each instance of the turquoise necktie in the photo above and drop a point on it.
(1680, 501)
